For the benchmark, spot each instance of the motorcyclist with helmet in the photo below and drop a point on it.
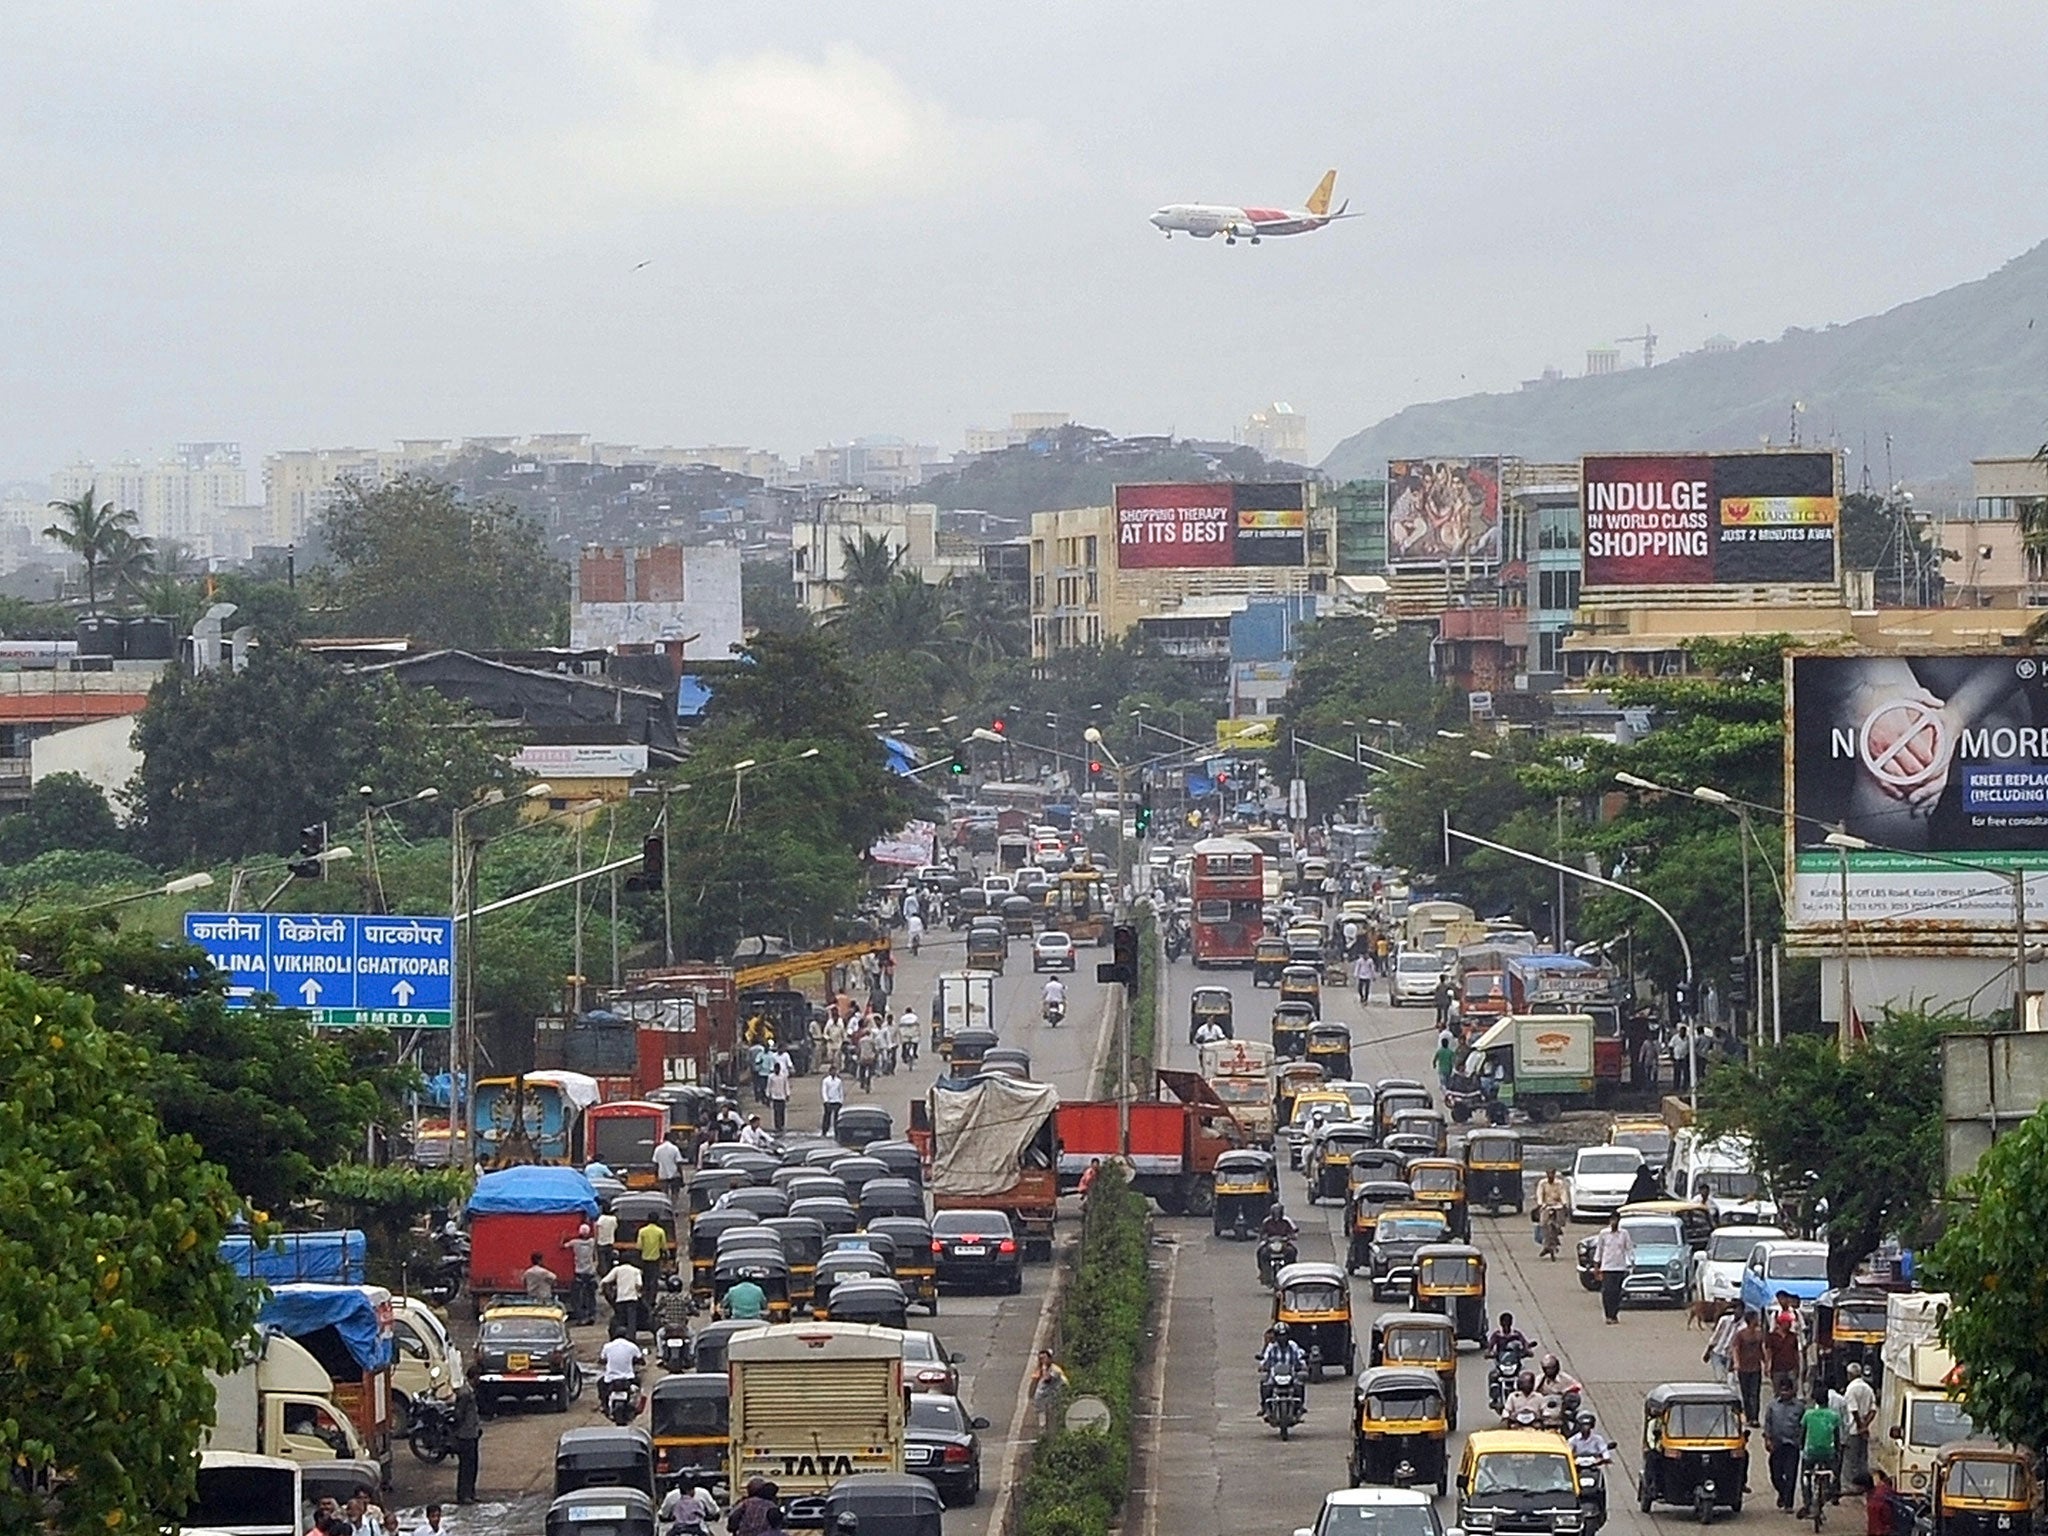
(1277, 1227)
(1556, 1379)
(1280, 1355)
(1587, 1443)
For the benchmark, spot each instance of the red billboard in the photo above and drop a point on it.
(1210, 523)
(1699, 519)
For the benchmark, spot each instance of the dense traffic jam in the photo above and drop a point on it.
(769, 1297)
(1834, 1391)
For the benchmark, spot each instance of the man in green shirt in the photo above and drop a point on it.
(652, 1241)
(746, 1299)
(1820, 1429)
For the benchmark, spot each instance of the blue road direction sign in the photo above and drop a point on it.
(340, 968)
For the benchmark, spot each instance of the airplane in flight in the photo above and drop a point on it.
(1204, 220)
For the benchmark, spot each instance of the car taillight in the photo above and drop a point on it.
(969, 1238)
(937, 1246)
(1007, 1245)
(956, 1454)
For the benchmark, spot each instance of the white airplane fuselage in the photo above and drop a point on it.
(1206, 220)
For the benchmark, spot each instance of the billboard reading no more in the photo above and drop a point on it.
(1927, 758)
(1702, 519)
(1195, 525)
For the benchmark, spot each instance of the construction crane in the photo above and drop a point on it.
(1649, 341)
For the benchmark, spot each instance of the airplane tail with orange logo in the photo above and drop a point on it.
(1319, 200)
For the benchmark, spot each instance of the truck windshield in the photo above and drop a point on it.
(1933, 1421)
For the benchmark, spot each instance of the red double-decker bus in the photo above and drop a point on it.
(1227, 876)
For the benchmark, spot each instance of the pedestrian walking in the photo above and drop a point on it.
(832, 1094)
(1719, 1353)
(668, 1169)
(652, 1242)
(915, 926)
(1782, 1437)
(539, 1282)
(865, 1056)
(1048, 1382)
(468, 1434)
(624, 1283)
(778, 1091)
(1361, 977)
(1445, 1059)
(763, 1054)
(1746, 1355)
(583, 1287)
(1614, 1253)
(1781, 1350)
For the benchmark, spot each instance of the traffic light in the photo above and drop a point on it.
(312, 844)
(958, 765)
(1124, 945)
(653, 865)
(1094, 773)
(1144, 811)
(999, 725)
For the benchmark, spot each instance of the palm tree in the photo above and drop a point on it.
(992, 624)
(91, 532)
(866, 566)
(128, 564)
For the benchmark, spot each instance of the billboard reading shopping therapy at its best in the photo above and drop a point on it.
(1211, 524)
(1940, 763)
(1677, 519)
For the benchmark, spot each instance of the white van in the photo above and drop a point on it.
(1723, 1174)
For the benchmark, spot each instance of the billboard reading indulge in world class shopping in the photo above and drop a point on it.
(1206, 524)
(1928, 758)
(1703, 519)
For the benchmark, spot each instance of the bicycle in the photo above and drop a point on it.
(1816, 1487)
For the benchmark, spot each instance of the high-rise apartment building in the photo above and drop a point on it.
(183, 496)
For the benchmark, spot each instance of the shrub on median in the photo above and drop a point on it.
(1078, 1478)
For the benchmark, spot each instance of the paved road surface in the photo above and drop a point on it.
(1216, 1460)
(993, 1332)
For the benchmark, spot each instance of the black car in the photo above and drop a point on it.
(1400, 1233)
(940, 1443)
(977, 1247)
(523, 1350)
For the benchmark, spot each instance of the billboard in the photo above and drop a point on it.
(1940, 762)
(1257, 733)
(1706, 518)
(1211, 524)
(1443, 511)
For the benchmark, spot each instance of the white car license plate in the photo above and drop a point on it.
(970, 1250)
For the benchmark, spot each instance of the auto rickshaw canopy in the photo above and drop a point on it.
(1421, 1339)
(1436, 1176)
(1980, 1476)
(1401, 1400)
(1850, 1314)
(1450, 1269)
(1374, 1196)
(604, 1456)
(1493, 1148)
(1209, 1002)
(1347, 1139)
(1245, 1171)
(1311, 1292)
(601, 1512)
(1270, 950)
(1693, 1415)
(693, 1404)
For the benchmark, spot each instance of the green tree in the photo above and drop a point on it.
(416, 558)
(129, 566)
(1861, 1132)
(1989, 1261)
(255, 1089)
(993, 626)
(768, 598)
(63, 811)
(1352, 672)
(94, 531)
(116, 1304)
(866, 564)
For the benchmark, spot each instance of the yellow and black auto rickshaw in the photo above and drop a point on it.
(1329, 1167)
(1450, 1278)
(1423, 1341)
(1493, 1169)
(1210, 1005)
(1314, 1301)
(1399, 1428)
(1373, 1164)
(688, 1417)
(1392, 1097)
(1247, 1184)
(1412, 1121)
(1302, 984)
(912, 1264)
(1695, 1450)
(1291, 1079)
(1367, 1200)
(1329, 1047)
(767, 1270)
(704, 1234)
(1291, 1023)
(1440, 1182)
(1983, 1490)
(1269, 958)
(1848, 1328)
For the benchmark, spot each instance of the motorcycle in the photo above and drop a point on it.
(672, 1349)
(1054, 1012)
(1500, 1381)
(438, 1275)
(430, 1429)
(1593, 1490)
(1285, 1403)
(1275, 1254)
(620, 1399)
(1176, 941)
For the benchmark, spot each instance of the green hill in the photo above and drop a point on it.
(1958, 375)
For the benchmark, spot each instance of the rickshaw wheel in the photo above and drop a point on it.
(1644, 1497)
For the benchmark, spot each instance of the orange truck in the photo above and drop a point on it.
(1172, 1147)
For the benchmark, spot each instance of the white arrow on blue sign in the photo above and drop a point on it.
(342, 968)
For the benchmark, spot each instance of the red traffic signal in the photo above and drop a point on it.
(1095, 767)
(999, 725)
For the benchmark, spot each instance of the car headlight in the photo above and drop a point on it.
(1478, 1519)
(1565, 1522)
(1675, 1271)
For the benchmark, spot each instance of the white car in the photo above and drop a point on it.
(1600, 1180)
(1717, 1269)
(1052, 951)
(1375, 1511)
(1417, 975)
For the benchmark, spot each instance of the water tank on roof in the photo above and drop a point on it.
(100, 636)
(151, 639)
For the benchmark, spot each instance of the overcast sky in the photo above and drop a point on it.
(316, 224)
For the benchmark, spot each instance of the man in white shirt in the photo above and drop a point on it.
(619, 1361)
(778, 1090)
(1209, 1033)
(751, 1133)
(668, 1168)
(1859, 1412)
(832, 1094)
(1614, 1253)
(623, 1282)
(885, 1044)
(607, 1234)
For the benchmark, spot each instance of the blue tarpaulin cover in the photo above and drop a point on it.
(334, 1257)
(302, 1309)
(536, 1191)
